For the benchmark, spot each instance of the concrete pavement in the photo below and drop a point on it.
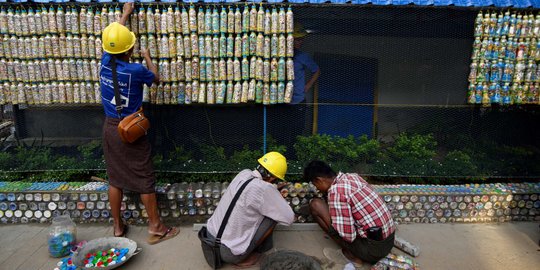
(443, 246)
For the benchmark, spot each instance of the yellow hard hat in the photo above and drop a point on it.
(117, 38)
(299, 31)
(275, 163)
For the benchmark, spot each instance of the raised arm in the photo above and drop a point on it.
(127, 10)
(151, 66)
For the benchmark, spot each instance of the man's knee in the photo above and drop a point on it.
(315, 206)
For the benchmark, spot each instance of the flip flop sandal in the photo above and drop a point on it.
(124, 231)
(154, 239)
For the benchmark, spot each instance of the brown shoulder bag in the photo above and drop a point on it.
(133, 126)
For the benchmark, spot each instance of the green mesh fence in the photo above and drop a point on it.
(391, 101)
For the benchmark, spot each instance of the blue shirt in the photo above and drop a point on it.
(302, 61)
(131, 78)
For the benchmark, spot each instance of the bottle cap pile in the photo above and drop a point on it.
(105, 258)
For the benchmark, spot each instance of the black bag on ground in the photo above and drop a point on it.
(210, 244)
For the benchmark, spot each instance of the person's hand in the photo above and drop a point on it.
(281, 185)
(128, 8)
(145, 53)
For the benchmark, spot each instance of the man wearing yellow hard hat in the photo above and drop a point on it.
(129, 166)
(260, 206)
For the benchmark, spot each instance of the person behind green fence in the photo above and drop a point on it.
(129, 165)
(259, 208)
(355, 216)
(302, 62)
(297, 111)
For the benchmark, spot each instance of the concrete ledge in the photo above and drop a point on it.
(279, 227)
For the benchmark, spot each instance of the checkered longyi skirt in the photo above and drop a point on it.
(129, 166)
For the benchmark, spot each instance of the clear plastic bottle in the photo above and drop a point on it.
(62, 236)
(245, 20)
(221, 88)
(253, 18)
(210, 94)
(290, 20)
(237, 21)
(229, 92)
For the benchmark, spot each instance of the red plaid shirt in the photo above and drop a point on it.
(355, 207)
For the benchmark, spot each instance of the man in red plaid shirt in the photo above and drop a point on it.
(356, 217)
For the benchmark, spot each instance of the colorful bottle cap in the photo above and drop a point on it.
(81, 205)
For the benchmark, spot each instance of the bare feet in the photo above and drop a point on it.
(251, 260)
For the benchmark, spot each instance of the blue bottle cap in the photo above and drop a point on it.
(105, 214)
(86, 214)
(126, 214)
